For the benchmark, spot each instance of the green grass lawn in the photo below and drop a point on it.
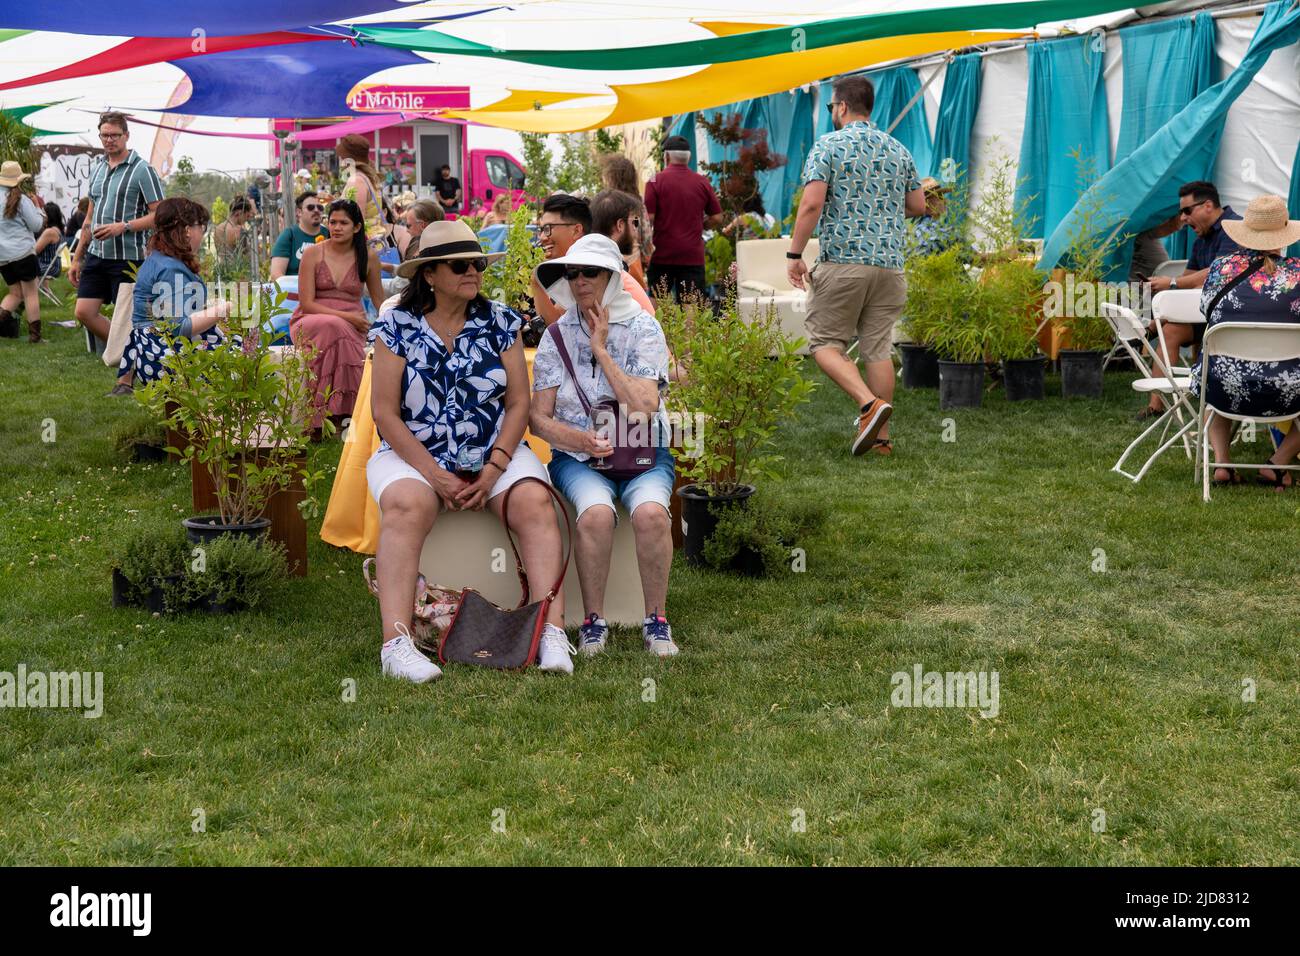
(1120, 690)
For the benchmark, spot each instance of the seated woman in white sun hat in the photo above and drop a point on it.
(450, 399)
(618, 352)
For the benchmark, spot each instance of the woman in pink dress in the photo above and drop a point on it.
(330, 319)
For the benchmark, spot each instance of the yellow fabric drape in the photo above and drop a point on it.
(352, 516)
(719, 84)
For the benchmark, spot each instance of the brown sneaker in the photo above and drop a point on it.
(869, 424)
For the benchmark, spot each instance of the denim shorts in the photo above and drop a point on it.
(585, 487)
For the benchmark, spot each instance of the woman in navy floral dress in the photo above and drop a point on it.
(1270, 294)
(450, 397)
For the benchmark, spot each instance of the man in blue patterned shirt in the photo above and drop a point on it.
(859, 184)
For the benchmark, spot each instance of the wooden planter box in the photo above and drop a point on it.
(287, 524)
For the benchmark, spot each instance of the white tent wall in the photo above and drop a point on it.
(1259, 137)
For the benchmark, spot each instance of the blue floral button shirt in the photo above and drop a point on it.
(453, 404)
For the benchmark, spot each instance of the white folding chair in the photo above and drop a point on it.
(49, 273)
(1170, 268)
(1176, 305)
(1127, 328)
(1248, 342)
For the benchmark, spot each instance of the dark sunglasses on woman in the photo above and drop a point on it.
(587, 272)
(461, 266)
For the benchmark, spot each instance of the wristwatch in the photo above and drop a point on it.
(1173, 282)
(794, 255)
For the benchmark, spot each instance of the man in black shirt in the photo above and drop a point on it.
(448, 187)
(1198, 206)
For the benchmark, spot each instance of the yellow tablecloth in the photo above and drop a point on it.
(352, 516)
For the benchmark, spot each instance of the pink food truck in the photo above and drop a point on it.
(409, 155)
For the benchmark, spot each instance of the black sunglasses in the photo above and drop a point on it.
(461, 266)
(830, 107)
(1187, 210)
(587, 272)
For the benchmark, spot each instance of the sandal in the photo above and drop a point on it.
(882, 446)
(1233, 477)
(1281, 479)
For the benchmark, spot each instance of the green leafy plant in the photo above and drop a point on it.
(234, 571)
(220, 211)
(737, 178)
(760, 535)
(1013, 292)
(150, 553)
(719, 254)
(246, 409)
(539, 162)
(1089, 246)
(997, 224)
(16, 142)
(140, 430)
(510, 279)
(608, 143)
(938, 288)
(743, 379)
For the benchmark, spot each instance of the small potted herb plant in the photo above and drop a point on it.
(141, 439)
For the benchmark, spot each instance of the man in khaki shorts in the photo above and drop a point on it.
(859, 184)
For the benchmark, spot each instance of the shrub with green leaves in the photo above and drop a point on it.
(140, 430)
(510, 280)
(1013, 291)
(762, 530)
(149, 553)
(937, 289)
(234, 570)
(743, 379)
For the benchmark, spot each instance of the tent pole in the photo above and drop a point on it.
(286, 179)
(916, 98)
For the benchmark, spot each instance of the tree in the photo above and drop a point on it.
(16, 142)
(537, 160)
(737, 179)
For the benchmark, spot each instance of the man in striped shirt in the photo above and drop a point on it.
(124, 190)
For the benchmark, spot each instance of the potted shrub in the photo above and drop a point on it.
(757, 540)
(141, 439)
(936, 287)
(233, 573)
(149, 566)
(1014, 290)
(246, 410)
(743, 379)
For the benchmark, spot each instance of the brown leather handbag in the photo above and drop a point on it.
(488, 636)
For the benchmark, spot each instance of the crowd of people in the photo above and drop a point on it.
(451, 391)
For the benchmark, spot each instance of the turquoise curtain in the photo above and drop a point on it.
(790, 133)
(957, 106)
(1142, 190)
(1065, 113)
(684, 125)
(1166, 66)
(1293, 198)
(894, 90)
(823, 117)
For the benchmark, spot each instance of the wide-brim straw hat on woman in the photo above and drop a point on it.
(11, 174)
(446, 240)
(1265, 227)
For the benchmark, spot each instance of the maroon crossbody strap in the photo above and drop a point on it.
(554, 333)
(519, 564)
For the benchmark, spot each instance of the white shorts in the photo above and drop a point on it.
(387, 466)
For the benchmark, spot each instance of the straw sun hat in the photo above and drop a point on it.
(449, 239)
(11, 174)
(1266, 225)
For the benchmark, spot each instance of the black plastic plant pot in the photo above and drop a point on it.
(1024, 378)
(920, 365)
(699, 522)
(961, 384)
(1081, 373)
(124, 595)
(155, 599)
(204, 528)
(142, 452)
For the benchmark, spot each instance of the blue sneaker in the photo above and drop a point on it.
(658, 636)
(592, 635)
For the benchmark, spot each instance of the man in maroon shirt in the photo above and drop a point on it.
(681, 204)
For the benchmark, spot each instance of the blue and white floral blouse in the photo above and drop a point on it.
(1263, 389)
(454, 404)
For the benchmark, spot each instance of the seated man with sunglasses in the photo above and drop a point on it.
(286, 254)
(616, 351)
(1199, 209)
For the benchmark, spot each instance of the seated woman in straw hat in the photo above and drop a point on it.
(450, 397)
(1270, 294)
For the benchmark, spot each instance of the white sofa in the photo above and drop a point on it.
(461, 552)
(761, 283)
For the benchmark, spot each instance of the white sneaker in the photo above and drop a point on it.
(592, 636)
(401, 659)
(555, 651)
(657, 636)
